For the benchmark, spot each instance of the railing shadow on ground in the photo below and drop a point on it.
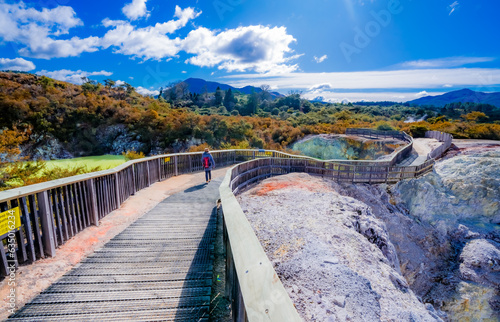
(199, 275)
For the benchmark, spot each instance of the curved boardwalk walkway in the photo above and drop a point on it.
(159, 268)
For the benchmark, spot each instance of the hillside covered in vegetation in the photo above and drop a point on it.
(42, 118)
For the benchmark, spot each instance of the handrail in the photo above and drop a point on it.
(446, 138)
(252, 284)
(39, 187)
(55, 211)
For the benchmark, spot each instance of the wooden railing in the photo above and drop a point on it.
(55, 211)
(443, 137)
(397, 156)
(252, 285)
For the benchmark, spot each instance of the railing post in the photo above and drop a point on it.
(176, 166)
(94, 216)
(133, 180)
(117, 189)
(190, 164)
(149, 173)
(159, 169)
(47, 222)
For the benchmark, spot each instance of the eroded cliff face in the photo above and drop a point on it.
(417, 251)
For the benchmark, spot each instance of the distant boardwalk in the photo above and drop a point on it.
(159, 268)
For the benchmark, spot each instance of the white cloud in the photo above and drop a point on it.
(347, 96)
(320, 59)
(150, 42)
(184, 72)
(251, 48)
(324, 86)
(136, 9)
(447, 62)
(447, 85)
(47, 48)
(16, 64)
(453, 6)
(422, 94)
(70, 76)
(36, 31)
(258, 48)
(119, 83)
(418, 78)
(146, 92)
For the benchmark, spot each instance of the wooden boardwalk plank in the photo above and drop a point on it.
(159, 268)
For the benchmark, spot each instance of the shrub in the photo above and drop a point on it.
(132, 155)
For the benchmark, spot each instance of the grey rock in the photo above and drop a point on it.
(480, 262)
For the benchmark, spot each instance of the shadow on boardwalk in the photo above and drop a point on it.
(159, 268)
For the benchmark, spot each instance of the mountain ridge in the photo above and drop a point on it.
(196, 85)
(463, 95)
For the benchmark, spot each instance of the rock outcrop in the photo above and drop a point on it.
(333, 255)
(434, 240)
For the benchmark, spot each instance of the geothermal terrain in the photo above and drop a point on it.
(426, 249)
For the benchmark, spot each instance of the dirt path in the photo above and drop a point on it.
(33, 279)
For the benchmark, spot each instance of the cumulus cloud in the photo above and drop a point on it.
(320, 59)
(422, 94)
(252, 48)
(146, 92)
(258, 48)
(136, 9)
(16, 64)
(36, 30)
(150, 42)
(71, 76)
(119, 83)
(445, 62)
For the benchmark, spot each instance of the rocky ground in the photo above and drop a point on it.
(422, 250)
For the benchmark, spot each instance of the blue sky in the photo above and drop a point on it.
(345, 49)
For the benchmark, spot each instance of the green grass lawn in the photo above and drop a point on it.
(103, 161)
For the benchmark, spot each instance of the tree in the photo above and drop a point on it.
(109, 83)
(475, 116)
(182, 90)
(265, 94)
(229, 100)
(252, 104)
(218, 96)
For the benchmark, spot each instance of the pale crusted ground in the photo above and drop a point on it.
(33, 279)
(332, 254)
(335, 254)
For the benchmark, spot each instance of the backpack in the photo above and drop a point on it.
(206, 162)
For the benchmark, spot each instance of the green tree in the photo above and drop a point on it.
(229, 100)
(252, 104)
(218, 96)
(109, 83)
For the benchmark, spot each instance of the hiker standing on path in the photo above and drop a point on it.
(208, 162)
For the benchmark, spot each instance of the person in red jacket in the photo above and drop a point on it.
(208, 163)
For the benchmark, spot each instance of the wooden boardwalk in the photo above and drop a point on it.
(157, 269)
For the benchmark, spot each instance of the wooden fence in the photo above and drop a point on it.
(441, 137)
(252, 285)
(400, 154)
(53, 212)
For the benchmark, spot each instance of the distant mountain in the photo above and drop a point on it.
(463, 96)
(197, 85)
